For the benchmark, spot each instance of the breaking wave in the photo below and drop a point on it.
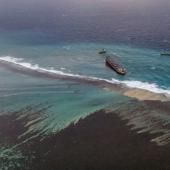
(7, 60)
(19, 65)
(143, 85)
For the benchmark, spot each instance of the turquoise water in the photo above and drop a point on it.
(145, 65)
(146, 69)
(44, 106)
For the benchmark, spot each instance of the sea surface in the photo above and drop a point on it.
(51, 74)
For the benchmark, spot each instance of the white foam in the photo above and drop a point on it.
(142, 85)
(20, 62)
(128, 83)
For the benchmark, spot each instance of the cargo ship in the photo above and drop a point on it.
(114, 66)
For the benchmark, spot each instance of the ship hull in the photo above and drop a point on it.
(114, 66)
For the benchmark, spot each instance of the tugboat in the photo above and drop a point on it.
(102, 51)
(166, 53)
(113, 65)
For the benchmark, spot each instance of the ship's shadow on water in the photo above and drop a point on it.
(133, 135)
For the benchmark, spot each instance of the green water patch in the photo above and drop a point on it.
(66, 103)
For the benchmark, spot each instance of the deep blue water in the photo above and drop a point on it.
(37, 22)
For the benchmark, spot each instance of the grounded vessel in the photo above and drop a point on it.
(113, 65)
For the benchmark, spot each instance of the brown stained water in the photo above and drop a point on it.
(128, 135)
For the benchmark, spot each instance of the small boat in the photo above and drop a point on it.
(113, 65)
(102, 51)
(166, 53)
